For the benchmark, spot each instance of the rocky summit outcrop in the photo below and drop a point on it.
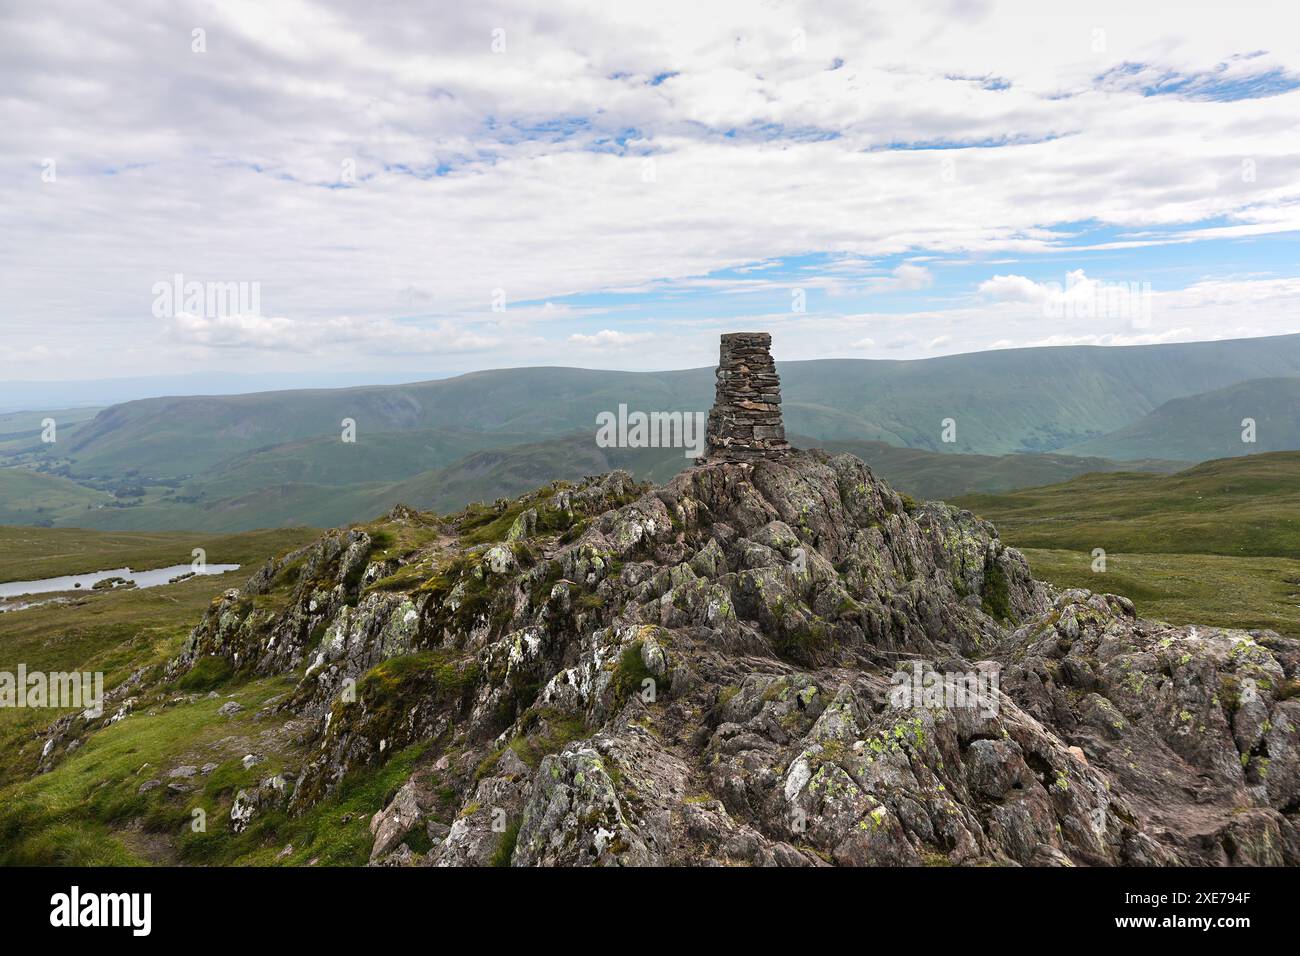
(708, 673)
(774, 659)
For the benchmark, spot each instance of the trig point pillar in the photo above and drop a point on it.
(745, 422)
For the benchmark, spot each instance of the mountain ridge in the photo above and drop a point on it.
(229, 462)
(1031, 400)
(1209, 424)
(226, 504)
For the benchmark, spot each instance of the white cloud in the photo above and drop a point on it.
(525, 170)
(611, 339)
(1217, 309)
(20, 359)
(280, 334)
(1012, 288)
(1241, 291)
(911, 277)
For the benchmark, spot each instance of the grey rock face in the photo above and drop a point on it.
(493, 811)
(1195, 725)
(396, 820)
(271, 792)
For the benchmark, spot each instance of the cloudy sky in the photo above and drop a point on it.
(407, 190)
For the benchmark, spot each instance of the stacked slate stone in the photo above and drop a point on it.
(745, 422)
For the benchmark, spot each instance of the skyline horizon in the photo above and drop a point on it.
(7, 406)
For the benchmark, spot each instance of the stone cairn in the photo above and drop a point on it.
(745, 422)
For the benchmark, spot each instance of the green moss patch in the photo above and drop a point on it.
(207, 673)
(995, 597)
(630, 673)
(505, 850)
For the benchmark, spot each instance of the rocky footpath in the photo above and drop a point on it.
(707, 673)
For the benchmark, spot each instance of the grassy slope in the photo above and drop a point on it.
(1215, 544)
(1023, 399)
(112, 632)
(1205, 426)
(1187, 588)
(82, 812)
(27, 424)
(278, 506)
(922, 474)
(513, 470)
(1233, 506)
(510, 472)
(380, 457)
(28, 497)
(482, 476)
(181, 436)
(29, 553)
(274, 458)
(74, 816)
(930, 475)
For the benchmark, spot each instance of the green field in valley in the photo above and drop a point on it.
(1187, 588)
(27, 554)
(1216, 544)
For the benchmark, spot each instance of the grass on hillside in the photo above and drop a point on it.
(88, 810)
(1187, 588)
(928, 474)
(1216, 544)
(236, 462)
(28, 497)
(27, 422)
(1209, 424)
(1235, 506)
(69, 816)
(113, 632)
(30, 553)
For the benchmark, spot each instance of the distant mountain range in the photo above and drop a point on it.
(1021, 417)
(319, 495)
(1210, 425)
